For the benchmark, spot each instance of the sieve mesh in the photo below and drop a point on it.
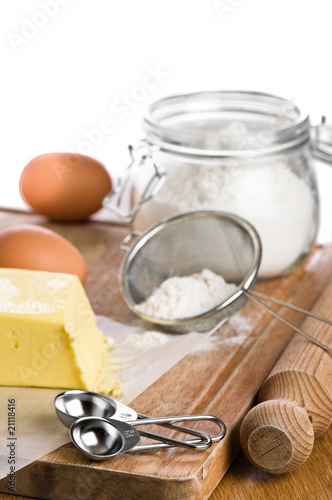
(187, 244)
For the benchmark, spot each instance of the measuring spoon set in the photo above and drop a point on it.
(101, 427)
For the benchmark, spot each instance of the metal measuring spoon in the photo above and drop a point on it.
(71, 405)
(74, 405)
(77, 404)
(100, 438)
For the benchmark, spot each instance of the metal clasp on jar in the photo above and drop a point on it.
(321, 140)
(139, 156)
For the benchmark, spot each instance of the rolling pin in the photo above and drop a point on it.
(295, 400)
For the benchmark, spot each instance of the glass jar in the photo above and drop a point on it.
(247, 153)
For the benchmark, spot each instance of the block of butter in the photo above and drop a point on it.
(48, 334)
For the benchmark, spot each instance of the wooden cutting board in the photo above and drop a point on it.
(221, 378)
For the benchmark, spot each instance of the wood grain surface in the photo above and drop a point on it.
(223, 381)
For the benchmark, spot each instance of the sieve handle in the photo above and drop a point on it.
(255, 296)
(130, 237)
(114, 200)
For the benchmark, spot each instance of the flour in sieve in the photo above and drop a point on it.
(187, 296)
(271, 196)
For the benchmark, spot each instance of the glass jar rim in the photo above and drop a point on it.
(225, 124)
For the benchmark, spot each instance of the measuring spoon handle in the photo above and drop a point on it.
(169, 422)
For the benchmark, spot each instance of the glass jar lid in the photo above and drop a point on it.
(225, 124)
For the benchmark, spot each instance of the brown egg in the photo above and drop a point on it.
(65, 186)
(39, 249)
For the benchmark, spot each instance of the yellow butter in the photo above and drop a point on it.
(48, 334)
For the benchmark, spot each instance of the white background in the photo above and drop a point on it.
(69, 65)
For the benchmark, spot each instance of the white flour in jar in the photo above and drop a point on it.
(187, 296)
(274, 199)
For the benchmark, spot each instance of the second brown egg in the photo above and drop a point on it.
(37, 248)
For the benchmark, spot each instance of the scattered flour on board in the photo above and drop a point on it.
(187, 296)
(240, 327)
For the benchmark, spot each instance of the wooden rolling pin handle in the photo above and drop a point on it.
(277, 436)
(295, 400)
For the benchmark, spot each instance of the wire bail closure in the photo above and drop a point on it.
(321, 141)
(139, 156)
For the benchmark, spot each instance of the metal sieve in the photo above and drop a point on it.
(188, 243)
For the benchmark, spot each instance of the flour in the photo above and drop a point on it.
(187, 296)
(274, 199)
(237, 332)
(147, 340)
(15, 300)
(57, 283)
(7, 289)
